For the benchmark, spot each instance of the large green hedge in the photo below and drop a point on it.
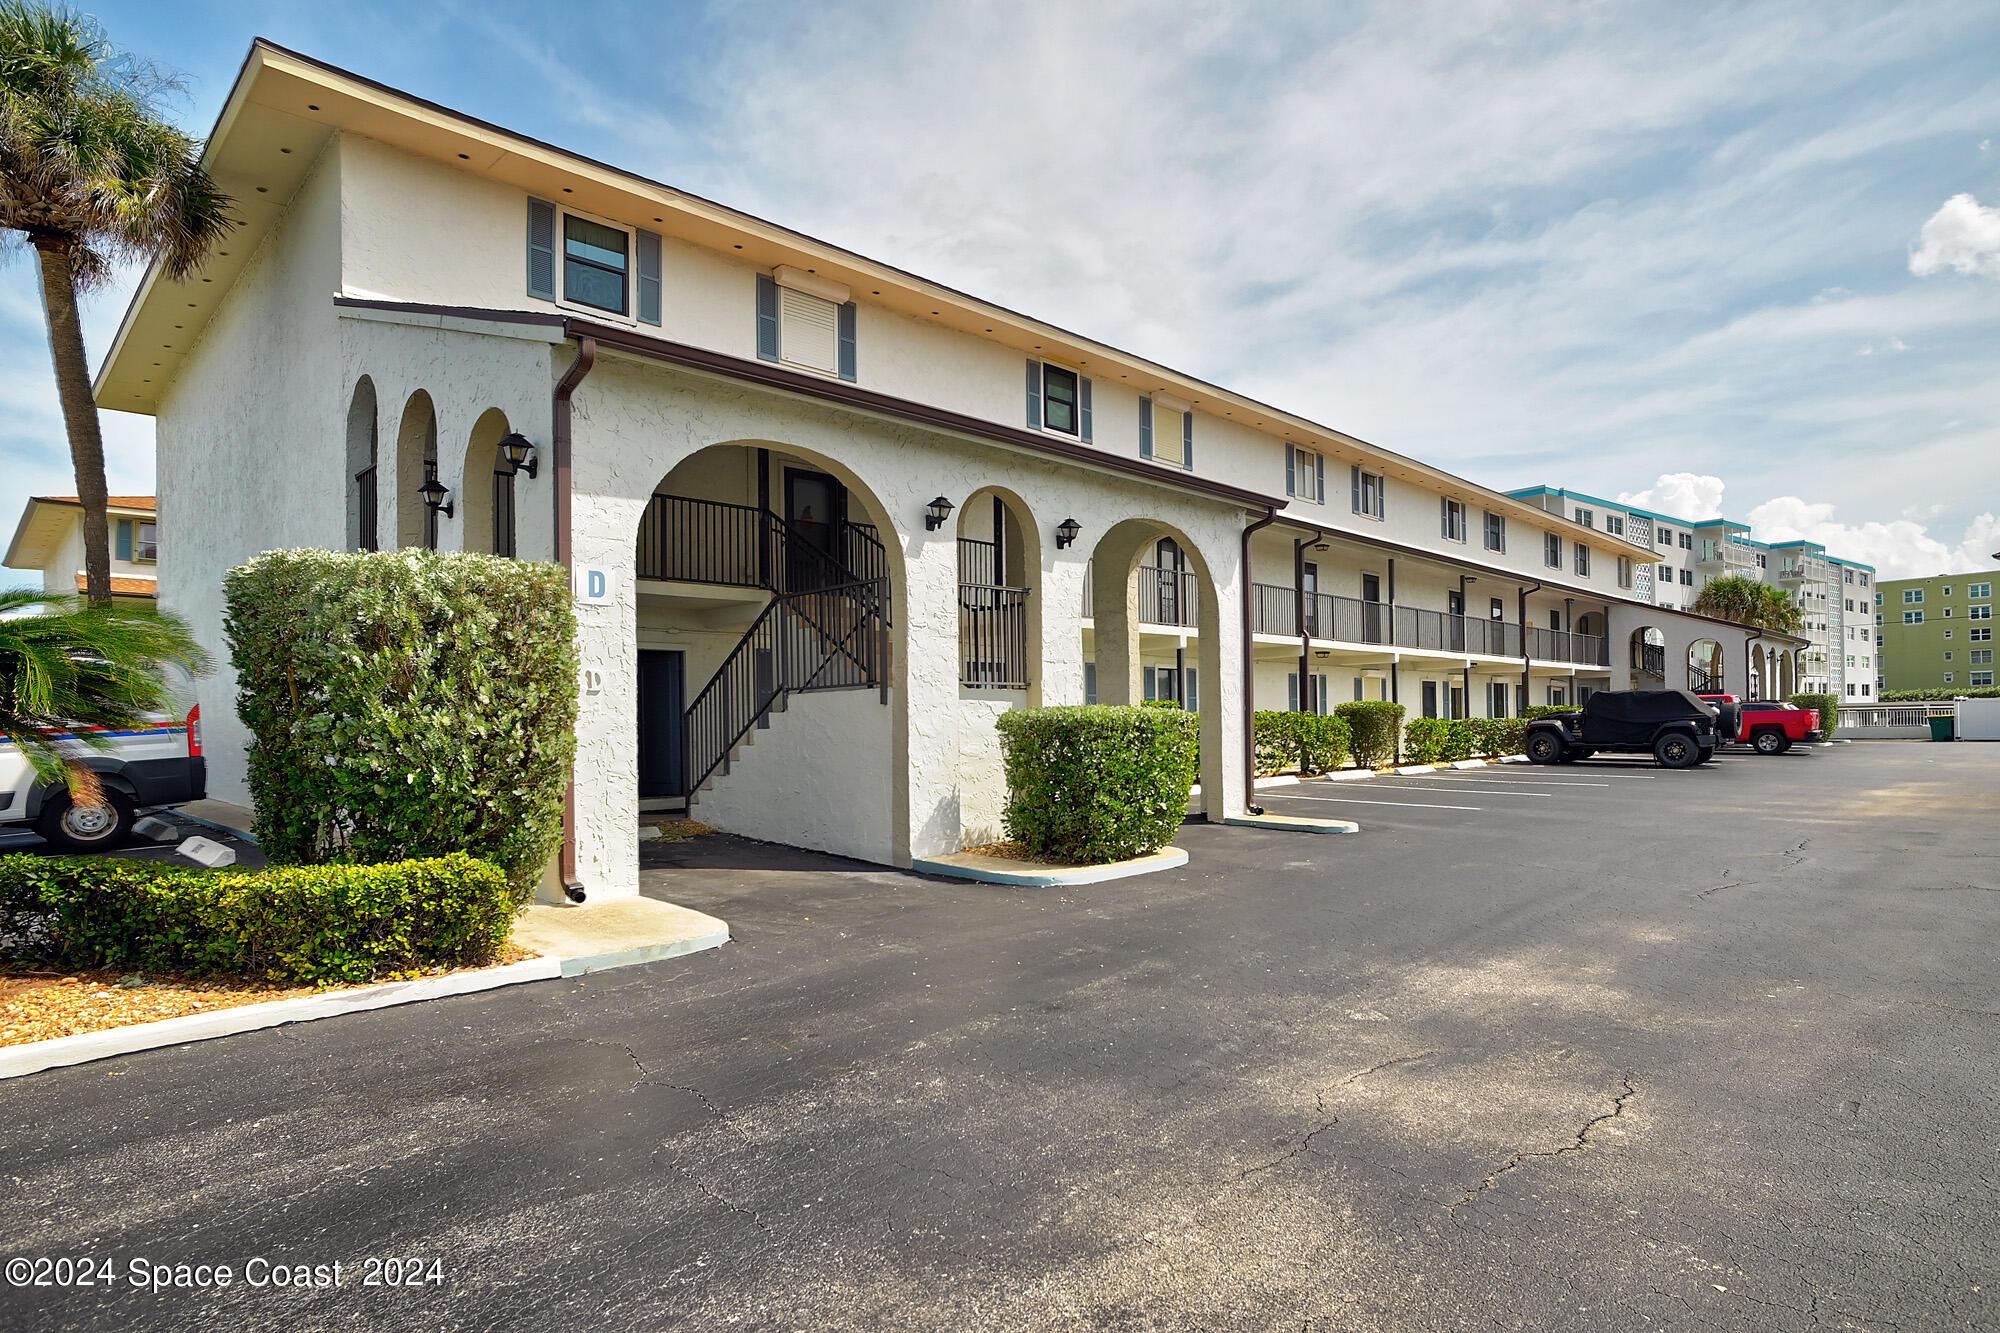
(1093, 783)
(406, 704)
(1936, 694)
(1289, 742)
(299, 924)
(1373, 726)
(1533, 711)
(1436, 740)
(1828, 706)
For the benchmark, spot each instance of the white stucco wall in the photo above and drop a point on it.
(821, 775)
(251, 441)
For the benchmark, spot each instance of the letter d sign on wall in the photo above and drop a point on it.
(593, 585)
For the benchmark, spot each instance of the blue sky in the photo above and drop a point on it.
(1741, 257)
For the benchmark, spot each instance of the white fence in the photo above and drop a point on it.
(1890, 722)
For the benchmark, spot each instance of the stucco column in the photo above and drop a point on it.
(1223, 687)
(1114, 599)
(607, 734)
(927, 678)
(1059, 599)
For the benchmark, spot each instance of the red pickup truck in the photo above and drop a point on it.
(1768, 726)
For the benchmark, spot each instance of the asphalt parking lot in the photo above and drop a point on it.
(1711, 1049)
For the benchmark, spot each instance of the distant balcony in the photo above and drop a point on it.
(1166, 596)
(1274, 610)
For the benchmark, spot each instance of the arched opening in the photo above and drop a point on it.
(1154, 616)
(363, 436)
(999, 625)
(486, 488)
(417, 465)
(765, 611)
(1649, 659)
(1704, 667)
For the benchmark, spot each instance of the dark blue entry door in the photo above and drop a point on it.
(662, 710)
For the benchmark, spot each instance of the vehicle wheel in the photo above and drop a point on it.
(1787, 744)
(1676, 750)
(1571, 756)
(1770, 742)
(1544, 748)
(86, 828)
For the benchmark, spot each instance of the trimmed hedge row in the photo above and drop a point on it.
(1374, 726)
(296, 924)
(1533, 711)
(1437, 740)
(1091, 783)
(1828, 706)
(1936, 694)
(1290, 742)
(406, 704)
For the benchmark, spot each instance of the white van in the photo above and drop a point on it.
(158, 764)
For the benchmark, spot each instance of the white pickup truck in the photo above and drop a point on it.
(154, 765)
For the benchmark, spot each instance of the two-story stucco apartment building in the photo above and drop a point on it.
(49, 538)
(827, 519)
(1834, 593)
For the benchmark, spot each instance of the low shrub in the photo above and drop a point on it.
(1936, 694)
(1533, 711)
(1373, 726)
(1828, 706)
(1437, 740)
(1092, 783)
(296, 924)
(1300, 742)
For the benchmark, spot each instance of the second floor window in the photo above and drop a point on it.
(1624, 572)
(1552, 550)
(1367, 487)
(1305, 475)
(1582, 561)
(1496, 532)
(1913, 617)
(1452, 519)
(1911, 596)
(595, 259)
(1058, 400)
(1586, 517)
(1687, 541)
(136, 541)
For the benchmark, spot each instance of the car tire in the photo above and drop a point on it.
(1770, 742)
(1786, 746)
(82, 828)
(1543, 748)
(1676, 749)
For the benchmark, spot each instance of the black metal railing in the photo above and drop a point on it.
(1704, 682)
(824, 639)
(743, 546)
(1650, 659)
(365, 500)
(1276, 609)
(1549, 645)
(992, 636)
(1168, 596)
(979, 562)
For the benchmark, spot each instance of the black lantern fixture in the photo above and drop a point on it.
(434, 492)
(519, 451)
(935, 516)
(1066, 532)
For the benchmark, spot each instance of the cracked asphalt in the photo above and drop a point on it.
(1578, 1048)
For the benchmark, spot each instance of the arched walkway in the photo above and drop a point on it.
(999, 611)
(416, 463)
(487, 484)
(1705, 673)
(1649, 658)
(363, 435)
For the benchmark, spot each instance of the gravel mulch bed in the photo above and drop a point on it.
(1014, 851)
(35, 1006)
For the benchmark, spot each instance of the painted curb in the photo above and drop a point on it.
(1347, 775)
(645, 953)
(1513, 759)
(1293, 824)
(84, 1047)
(1167, 858)
(1409, 770)
(1469, 763)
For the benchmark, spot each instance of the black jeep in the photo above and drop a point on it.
(1673, 726)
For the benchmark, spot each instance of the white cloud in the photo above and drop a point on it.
(1683, 494)
(1899, 549)
(1962, 237)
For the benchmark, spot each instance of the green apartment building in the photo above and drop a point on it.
(1936, 633)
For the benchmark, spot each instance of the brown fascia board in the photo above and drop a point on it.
(1487, 495)
(1511, 576)
(838, 392)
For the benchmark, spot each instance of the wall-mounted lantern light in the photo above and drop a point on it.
(1066, 532)
(935, 516)
(434, 492)
(519, 452)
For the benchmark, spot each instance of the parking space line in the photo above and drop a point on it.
(1413, 786)
(1355, 800)
(1520, 782)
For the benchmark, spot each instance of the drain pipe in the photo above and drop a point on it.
(1527, 653)
(1250, 669)
(559, 445)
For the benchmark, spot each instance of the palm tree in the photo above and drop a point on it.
(1744, 600)
(90, 174)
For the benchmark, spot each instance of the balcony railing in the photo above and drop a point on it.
(1168, 596)
(1274, 610)
(712, 541)
(992, 636)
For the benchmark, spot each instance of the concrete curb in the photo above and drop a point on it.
(1293, 823)
(35, 1056)
(645, 953)
(1410, 770)
(1346, 775)
(994, 869)
(1513, 759)
(1469, 763)
(211, 824)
